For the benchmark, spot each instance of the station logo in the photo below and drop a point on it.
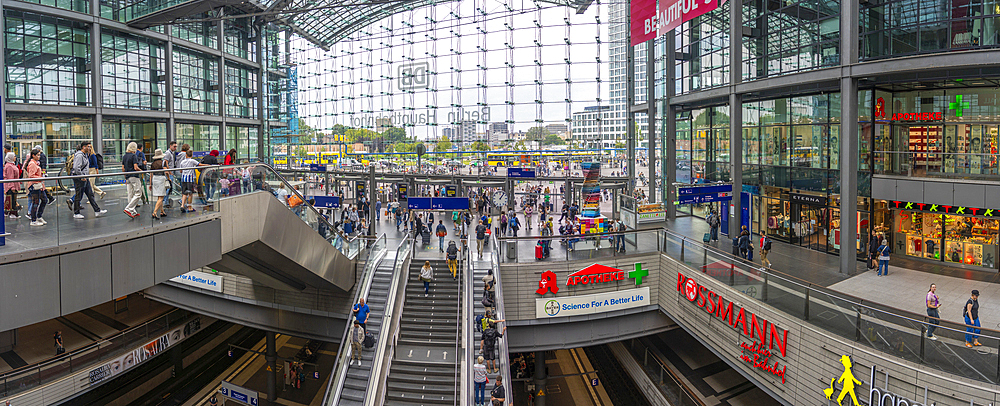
(847, 380)
(413, 76)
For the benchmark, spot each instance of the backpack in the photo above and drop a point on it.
(369, 340)
(100, 161)
(512, 222)
(487, 299)
(767, 243)
(479, 322)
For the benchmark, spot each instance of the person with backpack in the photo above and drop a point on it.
(765, 247)
(744, 242)
(883, 257)
(480, 379)
(488, 346)
(441, 231)
(357, 338)
(714, 222)
(504, 222)
(514, 224)
(453, 258)
(80, 164)
(361, 313)
(480, 237)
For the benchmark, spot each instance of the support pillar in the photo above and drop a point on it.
(630, 116)
(372, 192)
(540, 378)
(96, 82)
(270, 356)
(670, 134)
(848, 140)
(651, 119)
(222, 87)
(735, 118)
(169, 63)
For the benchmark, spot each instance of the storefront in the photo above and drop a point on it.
(946, 233)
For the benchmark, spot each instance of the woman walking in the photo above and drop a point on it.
(159, 184)
(36, 189)
(427, 275)
(10, 171)
(480, 381)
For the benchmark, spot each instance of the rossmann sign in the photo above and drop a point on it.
(766, 340)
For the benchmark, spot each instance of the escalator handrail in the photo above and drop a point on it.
(384, 342)
(340, 367)
(467, 330)
(504, 350)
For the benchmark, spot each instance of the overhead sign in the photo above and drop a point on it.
(317, 167)
(703, 190)
(237, 393)
(695, 199)
(546, 308)
(326, 202)
(418, 203)
(198, 279)
(450, 190)
(132, 358)
(945, 209)
(520, 173)
(764, 335)
(361, 187)
(807, 199)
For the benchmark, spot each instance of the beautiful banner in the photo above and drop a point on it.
(648, 21)
(642, 13)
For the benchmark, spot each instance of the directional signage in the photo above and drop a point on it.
(595, 382)
(402, 188)
(451, 190)
(695, 199)
(326, 202)
(450, 203)
(418, 203)
(703, 190)
(317, 167)
(238, 394)
(520, 173)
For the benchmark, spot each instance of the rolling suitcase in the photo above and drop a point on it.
(539, 251)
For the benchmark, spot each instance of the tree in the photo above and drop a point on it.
(442, 145)
(300, 151)
(339, 129)
(306, 131)
(536, 134)
(404, 147)
(552, 139)
(619, 144)
(393, 135)
(480, 146)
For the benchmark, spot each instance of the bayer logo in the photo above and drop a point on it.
(552, 307)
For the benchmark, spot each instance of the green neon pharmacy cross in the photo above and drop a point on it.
(638, 273)
(958, 105)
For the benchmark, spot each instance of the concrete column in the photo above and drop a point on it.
(169, 64)
(670, 130)
(848, 139)
(630, 121)
(96, 84)
(261, 101)
(372, 192)
(540, 378)
(735, 116)
(271, 355)
(651, 118)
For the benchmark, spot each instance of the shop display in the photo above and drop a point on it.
(949, 238)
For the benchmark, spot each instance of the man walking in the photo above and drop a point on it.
(441, 231)
(765, 247)
(361, 313)
(488, 346)
(480, 237)
(713, 222)
(81, 162)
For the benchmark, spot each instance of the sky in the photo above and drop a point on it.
(453, 52)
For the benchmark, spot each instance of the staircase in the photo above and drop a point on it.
(356, 383)
(423, 371)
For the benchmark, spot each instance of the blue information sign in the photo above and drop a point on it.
(317, 167)
(327, 202)
(714, 197)
(703, 190)
(520, 173)
(594, 382)
(450, 203)
(418, 203)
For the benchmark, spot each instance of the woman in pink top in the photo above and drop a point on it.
(10, 189)
(36, 189)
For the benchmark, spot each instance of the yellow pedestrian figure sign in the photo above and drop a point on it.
(541, 392)
(847, 380)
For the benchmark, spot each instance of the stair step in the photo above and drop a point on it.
(428, 388)
(416, 398)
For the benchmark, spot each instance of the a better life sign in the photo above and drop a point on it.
(238, 394)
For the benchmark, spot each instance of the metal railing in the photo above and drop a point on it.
(375, 255)
(560, 244)
(32, 376)
(503, 350)
(676, 392)
(893, 331)
(468, 334)
(385, 350)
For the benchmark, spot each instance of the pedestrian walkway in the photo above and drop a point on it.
(35, 342)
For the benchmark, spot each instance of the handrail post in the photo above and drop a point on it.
(923, 340)
(763, 289)
(682, 250)
(806, 312)
(857, 326)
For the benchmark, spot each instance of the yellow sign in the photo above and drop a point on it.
(268, 368)
(848, 381)
(541, 392)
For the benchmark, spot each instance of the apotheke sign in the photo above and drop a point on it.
(592, 274)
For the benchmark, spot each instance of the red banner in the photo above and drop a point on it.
(642, 13)
(647, 23)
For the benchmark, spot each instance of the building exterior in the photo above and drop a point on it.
(214, 85)
(556, 128)
(618, 42)
(888, 127)
(465, 133)
(593, 128)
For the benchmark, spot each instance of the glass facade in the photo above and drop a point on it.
(46, 59)
(239, 38)
(117, 135)
(201, 137)
(201, 32)
(703, 51)
(241, 91)
(244, 140)
(908, 27)
(789, 37)
(58, 138)
(196, 82)
(133, 71)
